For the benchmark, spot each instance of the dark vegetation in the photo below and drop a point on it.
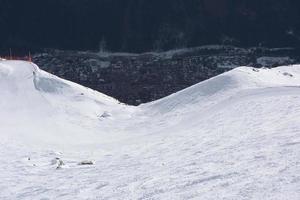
(146, 25)
(140, 78)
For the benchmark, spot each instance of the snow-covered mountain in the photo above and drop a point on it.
(235, 136)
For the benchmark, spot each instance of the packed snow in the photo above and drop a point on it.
(235, 136)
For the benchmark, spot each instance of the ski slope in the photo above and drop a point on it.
(235, 136)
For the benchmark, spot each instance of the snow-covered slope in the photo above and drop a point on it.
(235, 136)
(36, 105)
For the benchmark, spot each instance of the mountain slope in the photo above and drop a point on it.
(235, 136)
(46, 107)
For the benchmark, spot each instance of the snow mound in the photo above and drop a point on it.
(47, 108)
(224, 85)
(27, 76)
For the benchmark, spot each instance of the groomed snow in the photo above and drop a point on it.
(235, 136)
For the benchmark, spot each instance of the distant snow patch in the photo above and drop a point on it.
(227, 65)
(272, 61)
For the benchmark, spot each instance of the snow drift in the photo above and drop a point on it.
(235, 136)
(39, 106)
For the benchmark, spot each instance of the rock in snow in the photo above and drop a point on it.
(86, 162)
(235, 136)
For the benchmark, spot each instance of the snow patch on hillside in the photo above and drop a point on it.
(271, 61)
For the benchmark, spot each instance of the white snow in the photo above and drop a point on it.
(235, 136)
(166, 54)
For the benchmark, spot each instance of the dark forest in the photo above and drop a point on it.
(147, 25)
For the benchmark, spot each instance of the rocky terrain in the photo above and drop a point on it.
(139, 78)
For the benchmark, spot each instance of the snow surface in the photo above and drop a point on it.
(235, 136)
(166, 54)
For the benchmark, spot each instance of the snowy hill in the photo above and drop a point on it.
(46, 107)
(235, 136)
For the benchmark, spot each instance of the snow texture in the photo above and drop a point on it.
(235, 136)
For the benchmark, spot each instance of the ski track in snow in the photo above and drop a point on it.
(236, 136)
